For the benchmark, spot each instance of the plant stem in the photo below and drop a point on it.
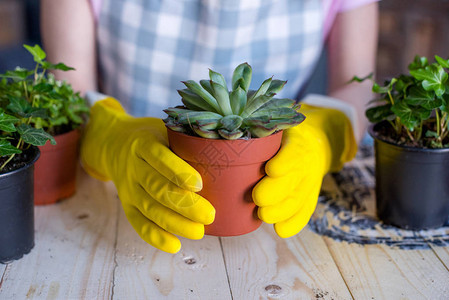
(12, 155)
(410, 136)
(437, 115)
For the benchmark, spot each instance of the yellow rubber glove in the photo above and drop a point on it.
(288, 195)
(157, 188)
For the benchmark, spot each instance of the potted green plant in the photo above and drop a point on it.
(55, 172)
(18, 153)
(410, 130)
(227, 136)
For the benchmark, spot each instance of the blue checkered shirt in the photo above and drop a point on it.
(147, 47)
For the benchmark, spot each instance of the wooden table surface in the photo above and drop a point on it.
(86, 249)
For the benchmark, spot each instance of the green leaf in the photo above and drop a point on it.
(19, 74)
(193, 116)
(418, 63)
(418, 95)
(255, 105)
(384, 89)
(222, 96)
(18, 105)
(362, 79)
(43, 87)
(231, 122)
(33, 136)
(410, 117)
(59, 66)
(443, 62)
(7, 122)
(262, 90)
(433, 78)
(242, 77)
(36, 112)
(230, 135)
(205, 95)
(206, 85)
(238, 100)
(431, 134)
(217, 78)
(37, 52)
(7, 149)
(379, 113)
(193, 101)
(275, 113)
(275, 87)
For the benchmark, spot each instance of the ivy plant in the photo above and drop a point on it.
(33, 106)
(416, 105)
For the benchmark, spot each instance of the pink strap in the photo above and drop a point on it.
(96, 7)
(333, 7)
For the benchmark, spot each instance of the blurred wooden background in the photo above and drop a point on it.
(408, 28)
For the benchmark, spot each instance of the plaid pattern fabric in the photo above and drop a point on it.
(148, 47)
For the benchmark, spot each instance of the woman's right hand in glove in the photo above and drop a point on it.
(157, 188)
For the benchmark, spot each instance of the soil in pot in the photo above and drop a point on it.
(55, 171)
(229, 169)
(412, 190)
(17, 209)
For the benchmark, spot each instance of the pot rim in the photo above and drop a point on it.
(239, 139)
(373, 134)
(28, 164)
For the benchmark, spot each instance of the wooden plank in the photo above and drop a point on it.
(381, 272)
(443, 254)
(74, 253)
(197, 271)
(261, 265)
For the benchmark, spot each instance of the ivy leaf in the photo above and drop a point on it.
(36, 113)
(7, 122)
(33, 136)
(43, 87)
(445, 105)
(418, 63)
(410, 117)
(7, 149)
(433, 78)
(18, 74)
(362, 79)
(384, 89)
(59, 66)
(418, 95)
(18, 105)
(379, 113)
(430, 133)
(37, 52)
(443, 62)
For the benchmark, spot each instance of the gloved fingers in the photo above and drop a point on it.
(280, 211)
(166, 218)
(298, 221)
(299, 146)
(272, 190)
(187, 203)
(150, 232)
(169, 165)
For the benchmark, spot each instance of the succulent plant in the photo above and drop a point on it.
(211, 111)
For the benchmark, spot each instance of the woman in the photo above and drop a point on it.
(139, 51)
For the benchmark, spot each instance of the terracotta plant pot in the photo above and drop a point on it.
(55, 172)
(17, 211)
(229, 169)
(412, 190)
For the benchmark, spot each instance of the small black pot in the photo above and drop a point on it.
(17, 210)
(412, 185)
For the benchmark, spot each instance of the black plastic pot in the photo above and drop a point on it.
(17, 211)
(412, 185)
